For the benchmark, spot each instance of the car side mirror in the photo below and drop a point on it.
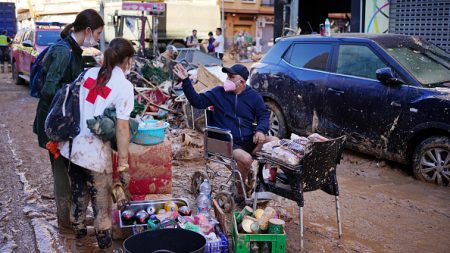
(27, 43)
(386, 76)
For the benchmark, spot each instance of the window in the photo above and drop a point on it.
(31, 37)
(46, 38)
(267, 2)
(311, 56)
(358, 60)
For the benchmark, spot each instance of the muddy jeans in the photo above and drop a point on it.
(61, 190)
(87, 183)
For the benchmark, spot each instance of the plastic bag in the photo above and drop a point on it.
(315, 137)
(285, 155)
(270, 145)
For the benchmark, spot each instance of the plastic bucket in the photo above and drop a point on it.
(169, 240)
(150, 135)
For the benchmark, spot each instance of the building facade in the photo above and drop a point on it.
(253, 17)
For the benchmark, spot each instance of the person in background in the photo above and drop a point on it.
(5, 41)
(219, 44)
(192, 40)
(236, 107)
(211, 47)
(63, 65)
(91, 162)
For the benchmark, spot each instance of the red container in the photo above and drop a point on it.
(150, 168)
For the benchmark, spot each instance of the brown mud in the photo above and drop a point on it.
(383, 208)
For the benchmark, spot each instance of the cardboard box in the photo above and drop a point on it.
(150, 168)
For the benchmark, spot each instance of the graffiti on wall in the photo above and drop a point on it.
(377, 16)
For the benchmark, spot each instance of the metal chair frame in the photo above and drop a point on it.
(298, 184)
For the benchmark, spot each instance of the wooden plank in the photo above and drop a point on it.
(221, 217)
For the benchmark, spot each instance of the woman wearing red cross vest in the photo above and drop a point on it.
(62, 64)
(91, 163)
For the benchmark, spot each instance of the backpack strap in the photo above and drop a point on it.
(70, 154)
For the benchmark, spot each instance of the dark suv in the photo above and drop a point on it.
(388, 93)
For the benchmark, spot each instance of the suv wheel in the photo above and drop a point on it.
(15, 75)
(277, 124)
(431, 160)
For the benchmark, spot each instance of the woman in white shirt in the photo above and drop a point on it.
(90, 169)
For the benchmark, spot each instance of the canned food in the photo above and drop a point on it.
(127, 215)
(142, 216)
(184, 211)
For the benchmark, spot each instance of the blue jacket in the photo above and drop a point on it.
(233, 112)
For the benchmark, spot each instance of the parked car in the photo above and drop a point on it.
(388, 93)
(29, 42)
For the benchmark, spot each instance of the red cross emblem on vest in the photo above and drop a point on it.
(94, 92)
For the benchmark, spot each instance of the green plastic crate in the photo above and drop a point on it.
(242, 242)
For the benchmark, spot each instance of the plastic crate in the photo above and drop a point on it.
(243, 242)
(219, 246)
(150, 136)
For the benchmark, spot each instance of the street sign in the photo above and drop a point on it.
(152, 8)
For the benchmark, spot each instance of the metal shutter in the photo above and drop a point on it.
(427, 19)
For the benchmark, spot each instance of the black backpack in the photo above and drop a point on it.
(63, 120)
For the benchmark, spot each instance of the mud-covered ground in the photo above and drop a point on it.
(383, 208)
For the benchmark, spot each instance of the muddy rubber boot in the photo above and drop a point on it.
(3, 68)
(62, 192)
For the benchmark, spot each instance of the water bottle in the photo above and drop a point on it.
(327, 28)
(205, 188)
(203, 204)
(204, 198)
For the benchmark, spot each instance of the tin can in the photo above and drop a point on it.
(151, 210)
(142, 216)
(128, 215)
(275, 226)
(184, 211)
(153, 224)
(247, 211)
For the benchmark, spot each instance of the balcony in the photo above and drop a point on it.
(267, 3)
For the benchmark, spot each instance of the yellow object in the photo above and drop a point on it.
(268, 214)
(258, 213)
(3, 40)
(170, 206)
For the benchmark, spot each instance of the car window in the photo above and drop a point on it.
(311, 56)
(26, 36)
(31, 36)
(46, 38)
(358, 60)
(429, 65)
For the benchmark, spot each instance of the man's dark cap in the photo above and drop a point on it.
(237, 69)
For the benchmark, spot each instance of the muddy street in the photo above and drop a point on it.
(383, 208)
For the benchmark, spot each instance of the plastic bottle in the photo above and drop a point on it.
(204, 198)
(327, 28)
(203, 204)
(205, 188)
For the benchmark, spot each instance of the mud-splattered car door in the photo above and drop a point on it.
(357, 104)
(308, 63)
